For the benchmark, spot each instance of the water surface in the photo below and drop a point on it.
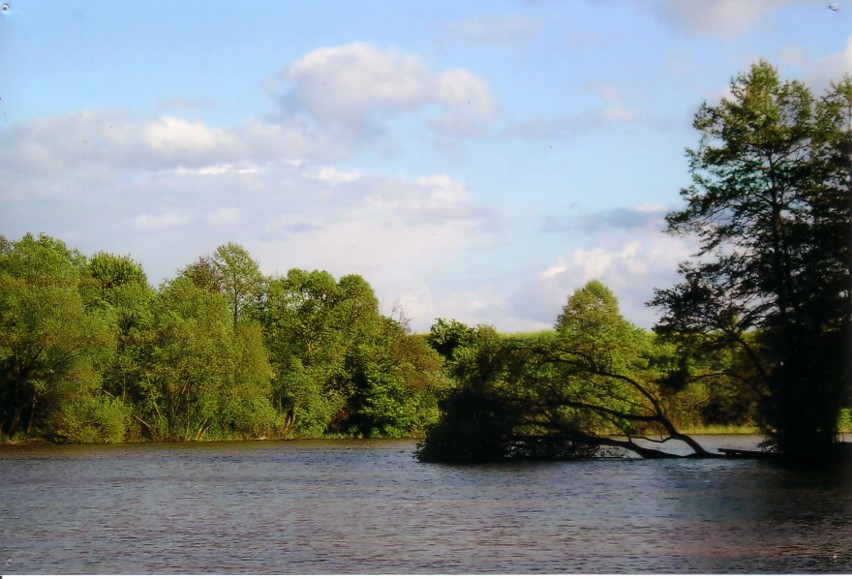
(369, 507)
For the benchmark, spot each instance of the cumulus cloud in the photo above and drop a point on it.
(617, 246)
(617, 262)
(356, 87)
(112, 140)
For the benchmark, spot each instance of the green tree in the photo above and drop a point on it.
(340, 365)
(232, 272)
(397, 379)
(51, 349)
(564, 395)
(105, 273)
(307, 348)
(450, 338)
(202, 377)
(246, 409)
(770, 205)
(116, 288)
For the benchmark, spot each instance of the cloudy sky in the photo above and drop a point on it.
(477, 160)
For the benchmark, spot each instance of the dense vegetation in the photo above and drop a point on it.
(596, 382)
(762, 317)
(757, 333)
(89, 352)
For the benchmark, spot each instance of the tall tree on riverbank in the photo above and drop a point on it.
(771, 204)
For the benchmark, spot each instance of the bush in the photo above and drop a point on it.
(92, 419)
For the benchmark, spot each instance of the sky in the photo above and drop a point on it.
(476, 160)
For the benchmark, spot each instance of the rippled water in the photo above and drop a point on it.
(369, 507)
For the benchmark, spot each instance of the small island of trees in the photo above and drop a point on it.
(756, 333)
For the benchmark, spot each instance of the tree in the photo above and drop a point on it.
(307, 347)
(450, 338)
(770, 206)
(588, 386)
(232, 272)
(50, 347)
(117, 289)
(396, 381)
(104, 273)
(340, 365)
(202, 377)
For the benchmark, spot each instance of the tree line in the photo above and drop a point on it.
(759, 330)
(90, 352)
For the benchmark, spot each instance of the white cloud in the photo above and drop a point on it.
(105, 141)
(220, 169)
(171, 135)
(334, 176)
(355, 87)
(431, 199)
(618, 262)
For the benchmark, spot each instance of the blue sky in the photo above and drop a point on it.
(472, 160)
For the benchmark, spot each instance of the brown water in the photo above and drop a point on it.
(369, 507)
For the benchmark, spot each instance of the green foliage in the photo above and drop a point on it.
(450, 339)
(104, 274)
(91, 419)
(49, 345)
(341, 366)
(555, 396)
(770, 204)
(202, 377)
(307, 337)
(232, 272)
(844, 421)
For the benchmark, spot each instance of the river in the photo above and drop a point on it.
(369, 507)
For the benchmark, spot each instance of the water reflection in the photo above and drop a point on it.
(367, 507)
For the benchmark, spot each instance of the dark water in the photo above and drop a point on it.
(369, 507)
